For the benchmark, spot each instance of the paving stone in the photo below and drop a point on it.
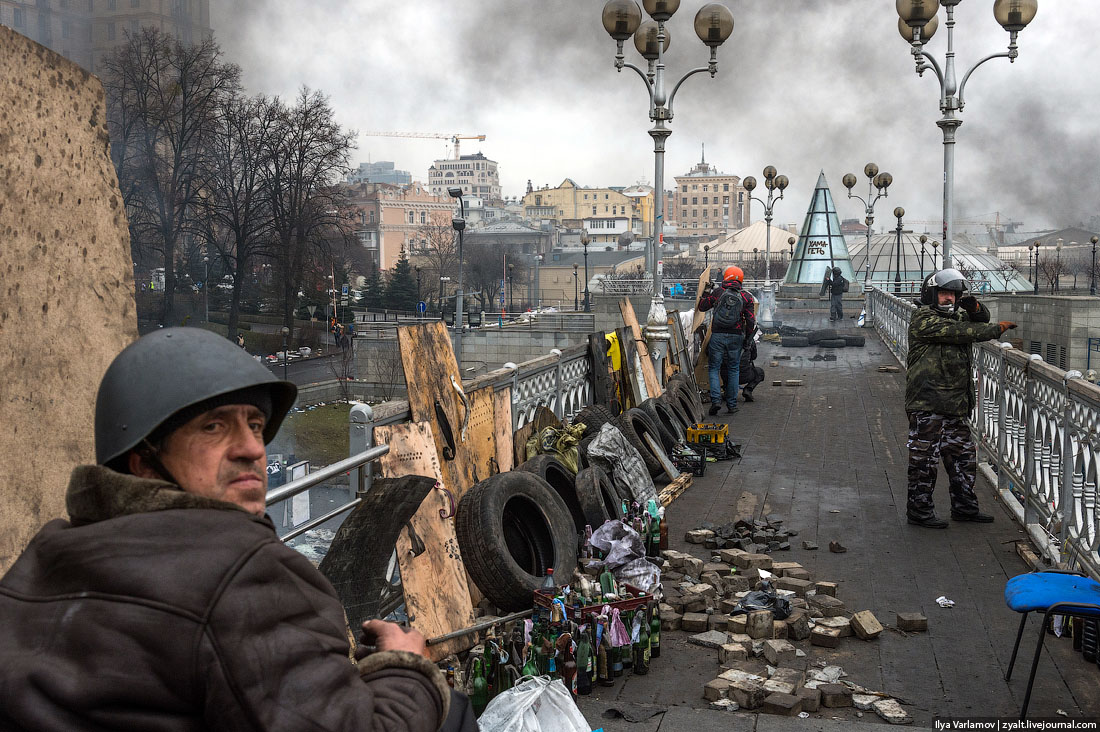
(695, 604)
(835, 696)
(826, 588)
(788, 675)
(737, 583)
(773, 686)
(811, 699)
(698, 536)
(794, 584)
(740, 639)
(702, 589)
(794, 382)
(758, 624)
(716, 689)
(798, 625)
(753, 561)
(719, 567)
(865, 625)
(739, 674)
(693, 567)
(800, 573)
(747, 694)
(830, 607)
(714, 580)
(891, 711)
(728, 555)
(738, 624)
(780, 568)
(671, 621)
(825, 637)
(841, 623)
(864, 701)
(727, 606)
(709, 639)
(694, 622)
(779, 629)
(810, 546)
(912, 622)
(778, 652)
(718, 621)
(783, 704)
(732, 652)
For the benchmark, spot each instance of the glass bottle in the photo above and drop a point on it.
(479, 693)
(655, 630)
(641, 648)
(548, 582)
(584, 663)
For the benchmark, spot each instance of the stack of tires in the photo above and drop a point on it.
(824, 338)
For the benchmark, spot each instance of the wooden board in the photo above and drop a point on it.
(673, 490)
(428, 360)
(659, 451)
(502, 428)
(597, 359)
(437, 591)
(652, 383)
(702, 289)
(630, 377)
(481, 434)
(701, 364)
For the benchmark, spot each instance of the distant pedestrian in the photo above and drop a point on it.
(240, 340)
(939, 396)
(836, 286)
(733, 317)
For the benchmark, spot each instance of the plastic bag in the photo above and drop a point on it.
(764, 599)
(641, 573)
(619, 459)
(557, 440)
(619, 544)
(536, 704)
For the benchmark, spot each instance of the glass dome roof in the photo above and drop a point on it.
(994, 274)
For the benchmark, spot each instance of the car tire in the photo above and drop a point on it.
(593, 417)
(634, 423)
(794, 342)
(562, 480)
(816, 336)
(668, 424)
(832, 343)
(598, 497)
(856, 341)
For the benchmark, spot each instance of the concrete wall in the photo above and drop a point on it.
(1056, 327)
(67, 303)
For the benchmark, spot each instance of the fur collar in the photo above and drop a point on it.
(97, 493)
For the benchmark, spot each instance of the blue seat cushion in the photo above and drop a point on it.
(1040, 590)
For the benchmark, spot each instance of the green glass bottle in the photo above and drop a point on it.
(655, 631)
(479, 693)
(584, 664)
(641, 649)
(530, 668)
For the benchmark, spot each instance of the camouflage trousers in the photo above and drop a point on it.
(932, 436)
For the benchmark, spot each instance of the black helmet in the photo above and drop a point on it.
(836, 270)
(171, 370)
(945, 279)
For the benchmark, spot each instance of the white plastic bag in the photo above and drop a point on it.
(536, 704)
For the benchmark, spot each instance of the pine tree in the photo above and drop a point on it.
(374, 291)
(401, 285)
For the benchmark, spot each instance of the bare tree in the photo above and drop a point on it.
(163, 97)
(1051, 268)
(439, 251)
(1077, 263)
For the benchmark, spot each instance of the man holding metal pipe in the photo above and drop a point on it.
(167, 601)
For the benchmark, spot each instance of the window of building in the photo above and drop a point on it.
(1035, 347)
(111, 4)
(725, 199)
(725, 186)
(694, 200)
(704, 213)
(370, 216)
(684, 200)
(695, 224)
(684, 189)
(704, 188)
(605, 206)
(1062, 357)
(412, 217)
(110, 31)
(135, 3)
(133, 27)
(715, 213)
(740, 196)
(593, 210)
(1052, 354)
(605, 196)
(684, 214)
(694, 186)
(423, 217)
(586, 196)
(694, 212)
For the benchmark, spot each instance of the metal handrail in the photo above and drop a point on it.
(320, 475)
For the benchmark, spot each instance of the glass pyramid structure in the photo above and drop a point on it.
(821, 246)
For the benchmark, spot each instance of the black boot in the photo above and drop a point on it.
(713, 409)
(977, 517)
(746, 394)
(929, 522)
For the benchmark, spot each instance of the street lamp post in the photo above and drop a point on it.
(935, 250)
(917, 23)
(1030, 267)
(898, 212)
(773, 181)
(706, 256)
(876, 181)
(206, 288)
(585, 241)
(1092, 269)
(622, 19)
(923, 241)
(511, 288)
(417, 268)
(576, 289)
(790, 258)
(286, 332)
(1056, 280)
(1036, 281)
(458, 223)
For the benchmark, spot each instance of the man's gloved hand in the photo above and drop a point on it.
(969, 303)
(1006, 325)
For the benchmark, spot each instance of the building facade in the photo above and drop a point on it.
(605, 213)
(381, 172)
(474, 174)
(85, 31)
(710, 203)
(390, 218)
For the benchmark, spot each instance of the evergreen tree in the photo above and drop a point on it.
(401, 285)
(374, 292)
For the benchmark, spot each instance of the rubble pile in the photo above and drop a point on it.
(756, 536)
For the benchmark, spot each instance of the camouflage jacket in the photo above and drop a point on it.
(938, 377)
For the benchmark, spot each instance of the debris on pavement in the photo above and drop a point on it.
(942, 601)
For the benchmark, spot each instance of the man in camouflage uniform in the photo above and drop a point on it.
(939, 396)
(836, 286)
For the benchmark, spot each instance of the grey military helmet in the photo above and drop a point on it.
(836, 271)
(945, 279)
(167, 374)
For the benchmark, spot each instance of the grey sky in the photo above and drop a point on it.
(804, 85)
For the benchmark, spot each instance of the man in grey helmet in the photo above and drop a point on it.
(836, 286)
(167, 601)
(939, 396)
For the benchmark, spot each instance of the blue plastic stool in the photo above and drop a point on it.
(1052, 592)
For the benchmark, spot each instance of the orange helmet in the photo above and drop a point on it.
(732, 274)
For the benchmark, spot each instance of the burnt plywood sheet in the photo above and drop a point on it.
(67, 292)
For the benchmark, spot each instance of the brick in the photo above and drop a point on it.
(794, 382)
(758, 624)
(840, 623)
(912, 622)
(747, 694)
(714, 580)
(718, 621)
(738, 624)
(798, 586)
(779, 652)
(779, 629)
(716, 689)
(825, 637)
(694, 622)
(753, 561)
(891, 711)
(865, 625)
(773, 686)
(784, 705)
(695, 604)
(830, 607)
(671, 621)
(702, 589)
(719, 567)
(777, 382)
(728, 555)
(740, 639)
(735, 675)
(811, 699)
(792, 676)
(709, 639)
(810, 546)
(692, 567)
(864, 701)
(731, 652)
(698, 536)
(798, 625)
(826, 588)
(728, 605)
(780, 568)
(835, 696)
(738, 583)
(799, 573)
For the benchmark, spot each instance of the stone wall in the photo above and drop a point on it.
(67, 303)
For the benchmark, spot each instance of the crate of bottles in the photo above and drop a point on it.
(579, 613)
(708, 433)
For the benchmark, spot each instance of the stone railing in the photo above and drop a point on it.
(1038, 427)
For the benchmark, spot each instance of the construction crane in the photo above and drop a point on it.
(429, 136)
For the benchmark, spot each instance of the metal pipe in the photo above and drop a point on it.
(479, 627)
(329, 471)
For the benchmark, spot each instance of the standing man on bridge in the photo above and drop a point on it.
(939, 396)
(836, 286)
(733, 318)
(167, 601)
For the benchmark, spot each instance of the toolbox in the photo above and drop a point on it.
(708, 433)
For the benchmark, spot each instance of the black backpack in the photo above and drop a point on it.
(728, 311)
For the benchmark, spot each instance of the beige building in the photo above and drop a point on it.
(710, 203)
(390, 217)
(85, 31)
(476, 174)
(605, 213)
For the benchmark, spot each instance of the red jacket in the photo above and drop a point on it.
(748, 315)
